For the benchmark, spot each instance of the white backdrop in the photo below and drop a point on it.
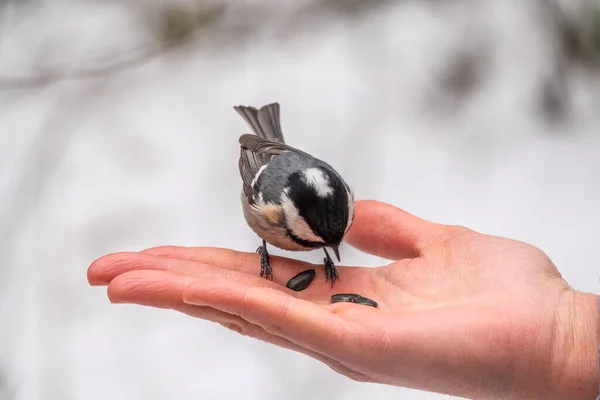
(147, 155)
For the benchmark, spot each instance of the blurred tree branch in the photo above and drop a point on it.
(579, 35)
(130, 59)
(578, 39)
(173, 26)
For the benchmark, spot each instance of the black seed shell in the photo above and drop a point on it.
(353, 298)
(301, 280)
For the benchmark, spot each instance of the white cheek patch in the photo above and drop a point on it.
(295, 222)
(314, 177)
(350, 209)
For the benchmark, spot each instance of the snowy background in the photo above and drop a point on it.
(117, 133)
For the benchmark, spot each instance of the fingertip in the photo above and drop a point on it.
(104, 269)
(93, 277)
(122, 285)
(97, 271)
(114, 292)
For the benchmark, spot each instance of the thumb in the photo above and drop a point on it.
(389, 232)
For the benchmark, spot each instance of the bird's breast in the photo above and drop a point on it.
(267, 220)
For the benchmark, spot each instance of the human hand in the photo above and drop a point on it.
(459, 313)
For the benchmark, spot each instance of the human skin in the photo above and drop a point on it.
(460, 313)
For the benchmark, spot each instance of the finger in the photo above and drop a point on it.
(231, 259)
(153, 288)
(104, 270)
(107, 268)
(173, 273)
(302, 322)
(163, 289)
(389, 232)
(245, 328)
(353, 278)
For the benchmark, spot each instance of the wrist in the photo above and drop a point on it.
(575, 364)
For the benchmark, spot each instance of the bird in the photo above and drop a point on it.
(290, 199)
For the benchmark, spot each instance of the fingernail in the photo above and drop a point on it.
(203, 291)
(115, 300)
(194, 302)
(191, 299)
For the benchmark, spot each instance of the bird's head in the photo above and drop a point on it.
(318, 207)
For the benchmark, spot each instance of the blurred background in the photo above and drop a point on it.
(117, 133)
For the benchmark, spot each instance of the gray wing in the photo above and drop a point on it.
(264, 122)
(254, 153)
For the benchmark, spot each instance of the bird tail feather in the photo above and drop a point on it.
(264, 122)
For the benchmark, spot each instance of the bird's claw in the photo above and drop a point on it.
(330, 270)
(265, 266)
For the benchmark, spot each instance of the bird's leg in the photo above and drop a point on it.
(264, 261)
(330, 270)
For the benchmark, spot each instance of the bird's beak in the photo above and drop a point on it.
(336, 250)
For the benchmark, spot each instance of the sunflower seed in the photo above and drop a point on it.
(353, 298)
(302, 280)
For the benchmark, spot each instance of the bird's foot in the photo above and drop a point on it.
(265, 266)
(330, 270)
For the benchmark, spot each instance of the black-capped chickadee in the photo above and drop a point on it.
(290, 199)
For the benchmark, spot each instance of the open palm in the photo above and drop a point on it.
(460, 312)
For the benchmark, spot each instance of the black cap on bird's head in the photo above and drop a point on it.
(324, 205)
